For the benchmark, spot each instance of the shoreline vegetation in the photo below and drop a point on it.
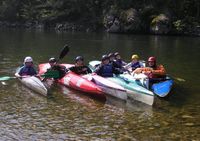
(169, 17)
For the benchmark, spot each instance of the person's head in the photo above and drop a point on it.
(152, 61)
(52, 61)
(28, 61)
(79, 60)
(105, 59)
(134, 58)
(117, 55)
(111, 56)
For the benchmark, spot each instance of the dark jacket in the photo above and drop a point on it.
(80, 70)
(107, 70)
(24, 70)
(61, 69)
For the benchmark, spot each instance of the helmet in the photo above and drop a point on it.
(111, 55)
(28, 59)
(116, 53)
(79, 58)
(104, 57)
(52, 60)
(152, 59)
(135, 56)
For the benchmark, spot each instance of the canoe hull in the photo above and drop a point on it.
(135, 92)
(162, 89)
(108, 87)
(75, 81)
(34, 84)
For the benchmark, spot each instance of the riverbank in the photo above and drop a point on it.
(66, 27)
(132, 17)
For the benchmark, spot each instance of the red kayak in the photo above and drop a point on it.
(75, 81)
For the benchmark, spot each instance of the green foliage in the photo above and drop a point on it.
(93, 11)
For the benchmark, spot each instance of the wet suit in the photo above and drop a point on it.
(80, 70)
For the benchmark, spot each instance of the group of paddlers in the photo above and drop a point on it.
(110, 65)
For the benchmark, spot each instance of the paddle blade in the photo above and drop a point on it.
(6, 78)
(64, 51)
(51, 74)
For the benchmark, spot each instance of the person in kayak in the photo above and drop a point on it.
(112, 61)
(27, 69)
(106, 69)
(79, 67)
(118, 60)
(54, 66)
(134, 63)
(153, 71)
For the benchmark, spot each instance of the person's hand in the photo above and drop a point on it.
(137, 71)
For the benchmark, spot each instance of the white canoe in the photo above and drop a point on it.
(107, 86)
(34, 84)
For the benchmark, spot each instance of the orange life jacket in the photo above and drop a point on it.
(157, 72)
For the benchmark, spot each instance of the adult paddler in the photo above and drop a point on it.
(153, 71)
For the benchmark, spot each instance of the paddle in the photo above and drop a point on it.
(55, 73)
(63, 52)
(46, 75)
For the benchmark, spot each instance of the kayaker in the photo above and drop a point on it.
(154, 70)
(27, 69)
(54, 66)
(111, 57)
(106, 69)
(79, 67)
(118, 60)
(134, 63)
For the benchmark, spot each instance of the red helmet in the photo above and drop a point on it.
(152, 59)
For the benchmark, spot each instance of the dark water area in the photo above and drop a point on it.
(71, 115)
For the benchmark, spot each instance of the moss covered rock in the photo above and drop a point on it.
(160, 24)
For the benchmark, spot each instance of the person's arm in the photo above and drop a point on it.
(34, 71)
(72, 68)
(143, 70)
(98, 70)
(89, 70)
(159, 71)
(17, 74)
(127, 66)
(117, 70)
(124, 63)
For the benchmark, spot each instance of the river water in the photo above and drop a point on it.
(71, 115)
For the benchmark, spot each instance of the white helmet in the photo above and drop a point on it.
(28, 59)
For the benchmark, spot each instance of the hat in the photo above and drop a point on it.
(28, 59)
(52, 60)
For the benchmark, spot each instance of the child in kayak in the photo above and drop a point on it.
(27, 69)
(134, 63)
(79, 67)
(111, 57)
(106, 69)
(118, 60)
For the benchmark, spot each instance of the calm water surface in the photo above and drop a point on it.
(71, 115)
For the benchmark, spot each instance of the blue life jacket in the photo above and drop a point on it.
(107, 70)
(24, 70)
(135, 65)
